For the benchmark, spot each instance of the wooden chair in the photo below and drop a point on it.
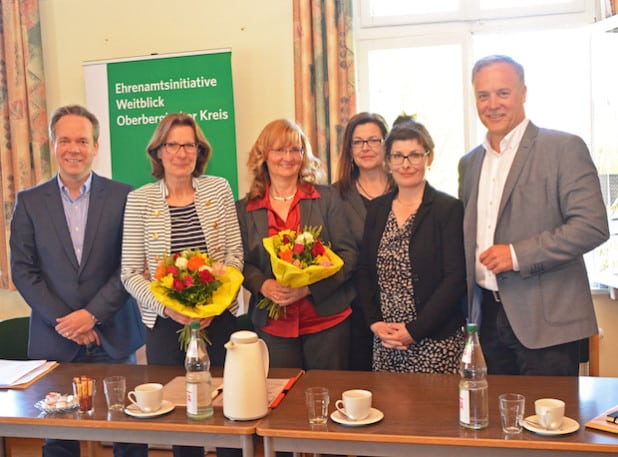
(594, 367)
(589, 356)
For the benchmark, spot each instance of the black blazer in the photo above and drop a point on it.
(437, 258)
(330, 295)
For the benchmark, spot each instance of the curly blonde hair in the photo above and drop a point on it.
(280, 133)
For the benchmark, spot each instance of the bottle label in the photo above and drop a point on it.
(464, 406)
(467, 352)
(191, 390)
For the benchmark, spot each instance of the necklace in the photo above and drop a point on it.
(371, 197)
(282, 199)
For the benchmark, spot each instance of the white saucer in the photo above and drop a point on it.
(166, 407)
(375, 415)
(568, 426)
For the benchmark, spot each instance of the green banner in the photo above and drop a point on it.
(142, 92)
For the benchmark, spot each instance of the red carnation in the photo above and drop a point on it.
(188, 280)
(206, 276)
(172, 270)
(178, 284)
(299, 248)
(317, 249)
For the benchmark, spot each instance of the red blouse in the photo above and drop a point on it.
(301, 318)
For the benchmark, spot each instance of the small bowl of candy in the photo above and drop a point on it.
(56, 403)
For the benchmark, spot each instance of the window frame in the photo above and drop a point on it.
(472, 11)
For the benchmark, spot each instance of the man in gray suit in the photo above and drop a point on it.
(533, 207)
(65, 241)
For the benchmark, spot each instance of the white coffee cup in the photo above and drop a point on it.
(549, 412)
(355, 404)
(147, 397)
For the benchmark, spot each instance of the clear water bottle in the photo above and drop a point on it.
(473, 388)
(198, 382)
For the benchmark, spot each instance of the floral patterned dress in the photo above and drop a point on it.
(397, 303)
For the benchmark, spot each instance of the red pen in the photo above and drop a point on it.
(288, 386)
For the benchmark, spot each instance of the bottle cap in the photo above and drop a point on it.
(472, 327)
(195, 325)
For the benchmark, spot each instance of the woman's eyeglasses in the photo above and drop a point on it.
(373, 143)
(415, 158)
(173, 148)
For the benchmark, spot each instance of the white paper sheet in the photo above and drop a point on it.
(15, 372)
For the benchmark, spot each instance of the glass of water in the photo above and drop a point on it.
(317, 400)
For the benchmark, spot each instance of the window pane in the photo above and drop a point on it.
(605, 146)
(605, 104)
(411, 7)
(557, 70)
(496, 4)
(426, 81)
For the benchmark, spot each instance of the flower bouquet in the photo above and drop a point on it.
(190, 283)
(298, 259)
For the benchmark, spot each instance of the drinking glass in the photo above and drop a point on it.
(512, 408)
(317, 399)
(115, 388)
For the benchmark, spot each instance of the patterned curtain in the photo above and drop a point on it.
(325, 92)
(24, 147)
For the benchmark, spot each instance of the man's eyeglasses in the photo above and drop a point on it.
(373, 143)
(415, 158)
(293, 151)
(173, 148)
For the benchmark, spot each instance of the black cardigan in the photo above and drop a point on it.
(437, 258)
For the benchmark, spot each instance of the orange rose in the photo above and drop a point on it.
(286, 256)
(161, 270)
(195, 263)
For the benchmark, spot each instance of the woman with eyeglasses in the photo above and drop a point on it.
(361, 177)
(313, 333)
(184, 209)
(411, 275)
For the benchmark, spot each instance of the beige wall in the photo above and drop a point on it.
(75, 31)
(12, 305)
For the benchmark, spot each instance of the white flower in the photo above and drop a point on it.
(304, 238)
(181, 263)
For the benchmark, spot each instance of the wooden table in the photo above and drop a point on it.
(421, 417)
(20, 418)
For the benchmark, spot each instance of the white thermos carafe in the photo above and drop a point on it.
(245, 370)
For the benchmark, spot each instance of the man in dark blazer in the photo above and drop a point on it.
(65, 244)
(533, 207)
